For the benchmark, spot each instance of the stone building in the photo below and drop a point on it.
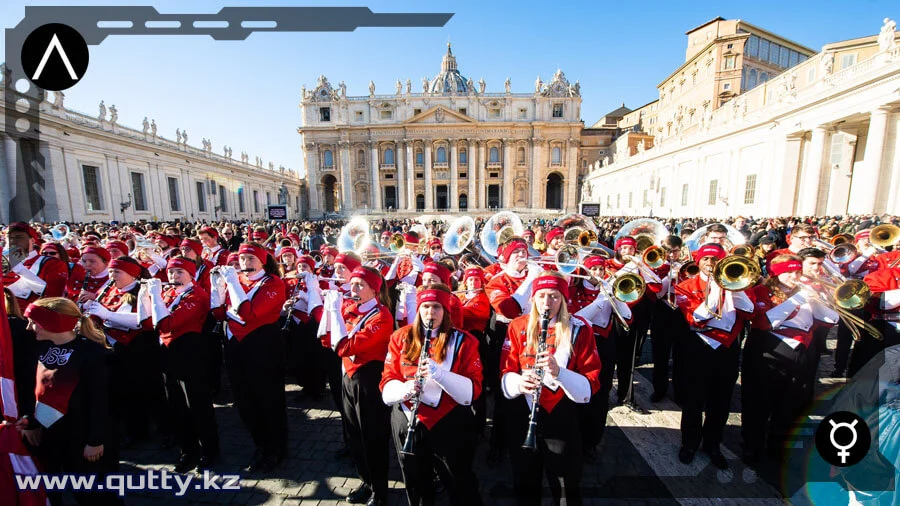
(447, 146)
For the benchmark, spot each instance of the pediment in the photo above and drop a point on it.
(439, 115)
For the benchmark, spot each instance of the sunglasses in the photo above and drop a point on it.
(51, 253)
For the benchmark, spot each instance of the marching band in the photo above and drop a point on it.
(423, 335)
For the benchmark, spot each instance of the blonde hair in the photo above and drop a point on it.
(66, 307)
(562, 329)
(416, 336)
(12, 305)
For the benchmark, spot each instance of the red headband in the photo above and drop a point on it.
(372, 279)
(232, 257)
(48, 246)
(528, 233)
(348, 261)
(119, 245)
(261, 236)
(474, 271)
(551, 282)
(182, 263)
(133, 270)
(439, 296)
(97, 250)
(257, 251)
(170, 240)
(195, 245)
(434, 242)
(709, 250)
(594, 261)
(50, 320)
(439, 270)
(783, 267)
(553, 233)
(507, 250)
(626, 241)
(21, 226)
(329, 250)
(210, 231)
(73, 253)
(411, 238)
(386, 234)
(288, 249)
(308, 260)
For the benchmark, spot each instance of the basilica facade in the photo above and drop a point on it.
(448, 146)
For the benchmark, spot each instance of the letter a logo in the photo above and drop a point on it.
(54, 56)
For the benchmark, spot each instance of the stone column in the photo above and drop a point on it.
(470, 174)
(570, 197)
(401, 174)
(411, 177)
(537, 182)
(454, 175)
(429, 190)
(507, 175)
(346, 178)
(864, 186)
(811, 174)
(375, 188)
(311, 155)
(482, 179)
(7, 175)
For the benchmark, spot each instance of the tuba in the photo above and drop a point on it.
(884, 235)
(460, 239)
(734, 238)
(354, 236)
(499, 229)
(646, 231)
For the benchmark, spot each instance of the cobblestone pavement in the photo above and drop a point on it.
(636, 465)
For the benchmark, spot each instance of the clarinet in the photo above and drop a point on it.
(420, 381)
(290, 312)
(530, 443)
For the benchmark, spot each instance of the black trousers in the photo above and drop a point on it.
(368, 426)
(305, 356)
(449, 446)
(592, 416)
(868, 347)
(710, 375)
(185, 371)
(334, 374)
(629, 344)
(495, 339)
(62, 451)
(775, 384)
(213, 338)
(558, 454)
(844, 344)
(480, 404)
(256, 371)
(136, 385)
(666, 330)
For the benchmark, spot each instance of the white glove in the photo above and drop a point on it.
(97, 309)
(217, 291)
(302, 303)
(417, 264)
(230, 274)
(313, 292)
(523, 294)
(392, 272)
(154, 286)
(435, 371)
(158, 261)
(233, 285)
(332, 301)
(715, 295)
(410, 386)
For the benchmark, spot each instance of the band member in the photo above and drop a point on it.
(33, 275)
(344, 264)
(528, 235)
(326, 270)
(802, 236)
(571, 369)
(778, 370)
(168, 247)
(254, 351)
(408, 264)
(306, 356)
(555, 241)
(588, 301)
(884, 306)
(192, 249)
(385, 240)
(629, 343)
(359, 333)
(710, 356)
(116, 249)
(437, 272)
(212, 250)
(867, 261)
(667, 325)
(435, 249)
(450, 382)
(95, 261)
(233, 261)
(137, 387)
(813, 259)
(77, 274)
(287, 263)
(69, 426)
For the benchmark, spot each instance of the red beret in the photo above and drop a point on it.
(709, 250)
(349, 261)
(594, 261)
(97, 250)
(212, 232)
(553, 233)
(626, 241)
(440, 270)
(507, 249)
(195, 245)
(308, 260)
(182, 263)
(130, 268)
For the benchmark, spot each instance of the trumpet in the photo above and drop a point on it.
(733, 273)
(530, 443)
(420, 383)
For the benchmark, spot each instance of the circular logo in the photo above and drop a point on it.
(55, 56)
(843, 438)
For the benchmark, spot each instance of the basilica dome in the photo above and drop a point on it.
(449, 81)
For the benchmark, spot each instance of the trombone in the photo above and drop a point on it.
(847, 296)
(686, 269)
(627, 288)
(733, 273)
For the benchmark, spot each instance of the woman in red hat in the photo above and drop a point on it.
(304, 309)
(192, 249)
(358, 332)
(555, 241)
(667, 325)
(77, 274)
(212, 249)
(255, 350)
(178, 312)
(33, 275)
(95, 261)
(476, 309)
(711, 355)
(778, 369)
(69, 427)
(434, 273)
(445, 384)
(137, 386)
(328, 252)
(571, 369)
(588, 300)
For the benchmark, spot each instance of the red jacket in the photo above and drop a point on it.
(476, 311)
(265, 298)
(187, 316)
(691, 296)
(217, 258)
(517, 356)
(77, 275)
(500, 290)
(53, 271)
(763, 297)
(370, 342)
(201, 278)
(112, 299)
(466, 362)
(581, 296)
(881, 281)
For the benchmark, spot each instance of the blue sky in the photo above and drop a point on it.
(245, 94)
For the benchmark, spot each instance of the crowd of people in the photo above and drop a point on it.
(423, 333)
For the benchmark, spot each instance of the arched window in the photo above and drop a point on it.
(463, 202)
(329, 158)
(361, 159)
(494, 155)
(389, 156)
(441, 155)
(752, 79)
(763, 77)
(463, 156)
(420, 158)
(556, 156)
(420, 202)
(520, 157)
